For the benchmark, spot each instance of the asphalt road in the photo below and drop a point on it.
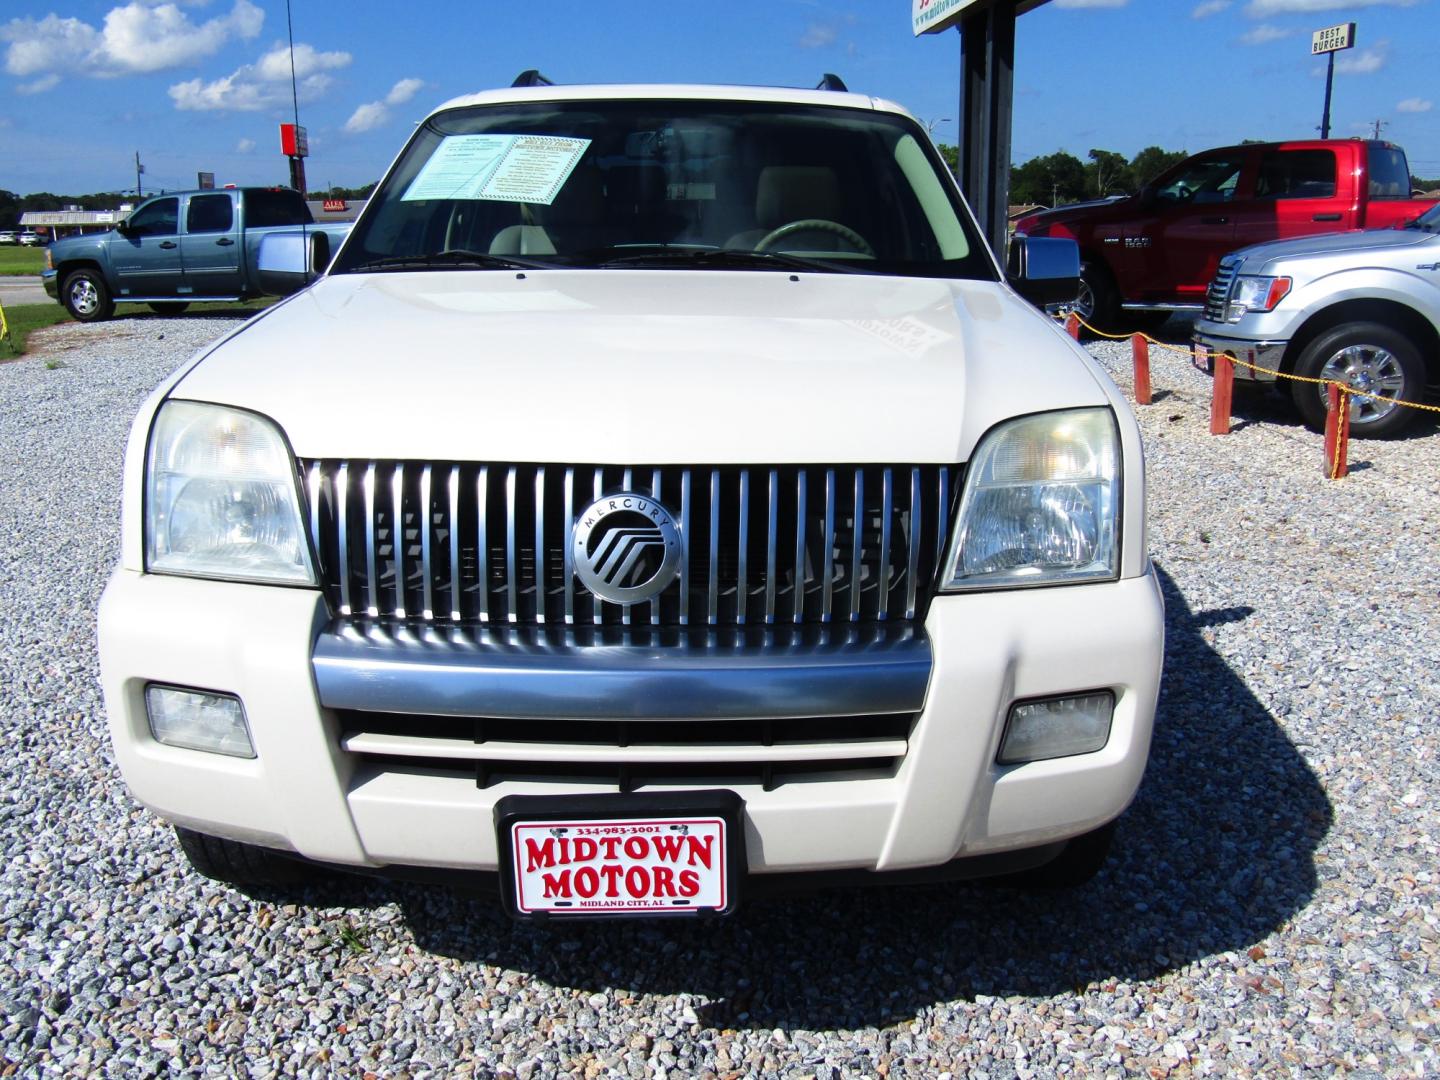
(22, 290)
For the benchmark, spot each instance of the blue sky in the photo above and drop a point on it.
(203, 84)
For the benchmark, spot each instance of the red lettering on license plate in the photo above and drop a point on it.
(671, 864)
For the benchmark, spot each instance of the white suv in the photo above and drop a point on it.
(662, 490)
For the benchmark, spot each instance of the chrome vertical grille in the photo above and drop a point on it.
(469, 543)
(1218, 295)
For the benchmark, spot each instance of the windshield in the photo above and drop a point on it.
(1429, 221)
(687, 184)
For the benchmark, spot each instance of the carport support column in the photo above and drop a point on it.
(987, 77)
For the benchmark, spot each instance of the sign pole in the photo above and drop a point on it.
(1329, 81)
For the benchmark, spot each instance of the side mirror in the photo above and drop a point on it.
(1044, 270)
(123, 228)
(288, 261)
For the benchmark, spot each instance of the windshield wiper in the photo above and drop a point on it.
(722, 257)
(454, 259)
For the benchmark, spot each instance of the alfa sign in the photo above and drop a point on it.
(1332, 39)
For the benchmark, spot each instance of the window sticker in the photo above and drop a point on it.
(501, 168)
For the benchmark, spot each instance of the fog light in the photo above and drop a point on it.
(1057, 727)
(197, 720)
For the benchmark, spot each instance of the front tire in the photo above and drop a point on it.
(242, 865)
(1098, 302)
(87, 297)
(1371, 359)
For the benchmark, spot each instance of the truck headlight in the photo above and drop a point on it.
(1041, 504)
(1253, 293)
(221, 497)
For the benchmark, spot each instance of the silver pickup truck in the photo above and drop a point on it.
(179, 248)
(1360, 308)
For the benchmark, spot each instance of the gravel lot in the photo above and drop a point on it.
(1271, 907)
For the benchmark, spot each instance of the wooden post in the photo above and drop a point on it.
(1140, 353)
(1337, 432)
(1072, 325)
(1223, 392)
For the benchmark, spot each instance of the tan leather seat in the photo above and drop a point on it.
(786, 193)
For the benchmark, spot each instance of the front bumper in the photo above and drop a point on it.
(306, 792)
(1258, 361)
(50, 280)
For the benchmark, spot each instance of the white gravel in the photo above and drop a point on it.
(1270, 909)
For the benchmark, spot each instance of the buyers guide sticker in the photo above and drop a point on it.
(503, 168)
(595, 867)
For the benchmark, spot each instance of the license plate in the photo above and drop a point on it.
(560, 857)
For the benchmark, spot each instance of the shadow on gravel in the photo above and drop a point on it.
(1215, 854)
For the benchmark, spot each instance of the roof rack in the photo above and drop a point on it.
(531, 78)
(832, 82)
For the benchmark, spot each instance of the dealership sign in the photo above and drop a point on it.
(1332, 39)
(294, 142)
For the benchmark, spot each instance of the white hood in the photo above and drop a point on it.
(645, 367)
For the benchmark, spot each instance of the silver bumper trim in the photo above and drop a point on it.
(630, 674)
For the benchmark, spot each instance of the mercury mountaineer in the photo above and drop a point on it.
(662, 484)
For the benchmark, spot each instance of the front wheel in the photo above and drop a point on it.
(1380, 366)
(1097, 302)
(242, 865)
(87, 297)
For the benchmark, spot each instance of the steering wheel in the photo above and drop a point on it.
(845, 233)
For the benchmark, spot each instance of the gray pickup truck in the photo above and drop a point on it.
(1358, 308)
(176, 249)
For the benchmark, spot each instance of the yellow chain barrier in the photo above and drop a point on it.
(1345, 388)
(4, 326)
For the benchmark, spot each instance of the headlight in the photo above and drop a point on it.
(1041, 504)
(221, 498)
(1255, 294)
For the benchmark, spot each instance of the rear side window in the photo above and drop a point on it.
(1296, 174)
(1389, 173)
(209, 214)
(264, 209)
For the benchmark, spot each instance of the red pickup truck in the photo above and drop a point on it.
(1154, 253)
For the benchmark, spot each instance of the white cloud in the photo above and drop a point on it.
(40, 85)
(1260, 9)
(1415, 105)
(819, 35)
(403, 91)
(137, 38)
(1263, 34)
(1210, 7)
(1364, 62)
(245, 146)
(372, 114)
(1091, 3)
(263, 84)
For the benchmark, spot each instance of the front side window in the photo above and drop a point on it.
(158, 218)
(688, 184)
(1207, 180)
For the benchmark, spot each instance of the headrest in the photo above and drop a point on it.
(787, 193)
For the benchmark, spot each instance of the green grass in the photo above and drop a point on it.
(21, 261)
(22, 319)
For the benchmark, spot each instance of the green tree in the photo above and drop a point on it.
(951, 154)
(1108, 174)
(1151, 162)
(1050, 180)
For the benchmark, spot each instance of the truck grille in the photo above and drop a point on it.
(1218, 295)
(468, 543)
(629, 755)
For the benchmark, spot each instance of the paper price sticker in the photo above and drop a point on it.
(502, 168)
